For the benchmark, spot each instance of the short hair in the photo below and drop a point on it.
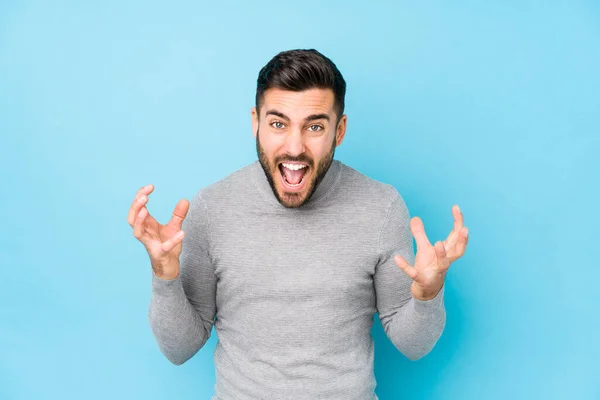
(299, 70)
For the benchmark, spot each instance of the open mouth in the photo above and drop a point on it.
(293, 174)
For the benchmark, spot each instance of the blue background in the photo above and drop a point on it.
(493, 106)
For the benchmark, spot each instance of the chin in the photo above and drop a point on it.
(291, 199)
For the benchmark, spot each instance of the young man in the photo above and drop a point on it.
(294, 254)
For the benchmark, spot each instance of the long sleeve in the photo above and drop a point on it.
(182, 310)
(413, 326)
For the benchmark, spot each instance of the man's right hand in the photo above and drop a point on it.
(163, 242)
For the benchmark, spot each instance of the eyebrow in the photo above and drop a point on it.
(309, 118)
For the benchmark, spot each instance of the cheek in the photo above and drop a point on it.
(271, 143)
(319, 148)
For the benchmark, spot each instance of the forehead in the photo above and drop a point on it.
(297, 105)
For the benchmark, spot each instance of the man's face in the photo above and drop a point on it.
(296, 136)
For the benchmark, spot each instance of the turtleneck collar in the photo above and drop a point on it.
(329, 182)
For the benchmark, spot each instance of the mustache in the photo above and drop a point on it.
(302, 159)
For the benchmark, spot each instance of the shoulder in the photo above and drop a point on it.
(369, 191)
(378, 205)
(231, 188)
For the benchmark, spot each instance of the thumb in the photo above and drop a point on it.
(404, 266)
(179, 213)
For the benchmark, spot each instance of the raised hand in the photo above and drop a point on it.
(432, 262)
(163, 242)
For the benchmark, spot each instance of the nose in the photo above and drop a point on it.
(294, 143)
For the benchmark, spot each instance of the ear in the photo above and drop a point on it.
(254, 121)
(340, 131)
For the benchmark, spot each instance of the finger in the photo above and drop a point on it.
(146, 190)
(463, 239)
(440, 252)
(458, 218)
(418, 231)
(135, 206)
(174, 241)
(179, 213)
(138, 225)
(404, 266)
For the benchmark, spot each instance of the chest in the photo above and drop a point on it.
(294, 259)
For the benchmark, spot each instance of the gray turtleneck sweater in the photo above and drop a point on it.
(294, 291)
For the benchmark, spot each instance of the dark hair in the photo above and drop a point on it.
(300, 70)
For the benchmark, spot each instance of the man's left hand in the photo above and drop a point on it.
(432, 262)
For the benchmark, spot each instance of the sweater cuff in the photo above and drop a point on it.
(166, 287)
(427, 305)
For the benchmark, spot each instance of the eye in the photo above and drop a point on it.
(315, 128)
(277, 124)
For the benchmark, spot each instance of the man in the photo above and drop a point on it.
(294, 254)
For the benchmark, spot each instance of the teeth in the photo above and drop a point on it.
(294, 167)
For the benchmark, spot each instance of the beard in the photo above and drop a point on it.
(289, 199)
